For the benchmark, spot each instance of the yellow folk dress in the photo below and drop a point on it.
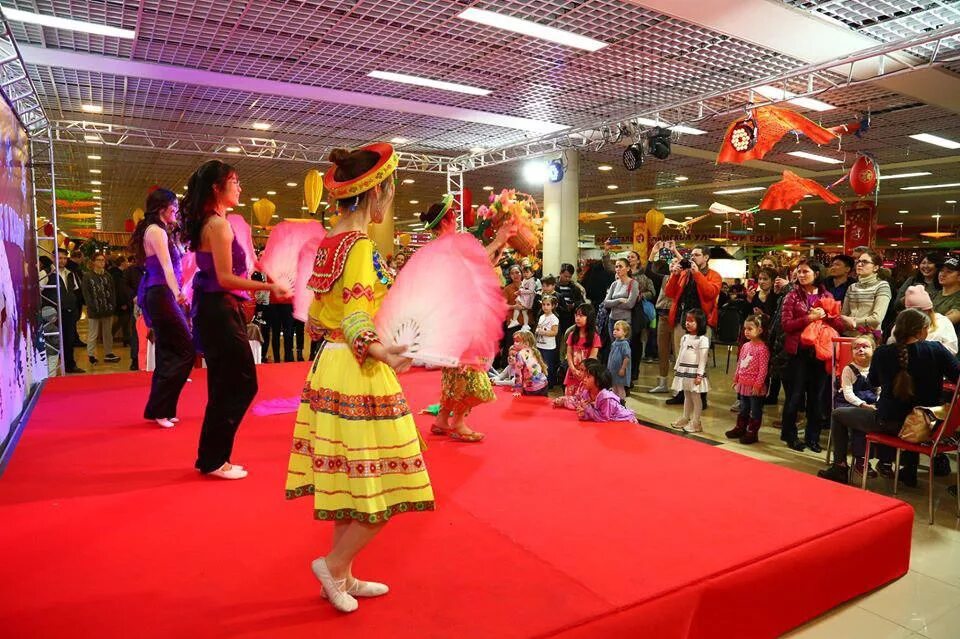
(356, 448)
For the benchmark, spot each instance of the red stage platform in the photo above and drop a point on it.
(549, 528)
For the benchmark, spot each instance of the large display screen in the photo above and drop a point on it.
(22, 363)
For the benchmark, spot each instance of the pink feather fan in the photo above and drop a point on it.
(244, 235)
(281, 257)
(446, 305)
(302, 296)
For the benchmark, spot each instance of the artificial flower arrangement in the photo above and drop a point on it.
(508, 205)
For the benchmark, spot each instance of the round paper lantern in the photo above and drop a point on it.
(863, 176)
(137, 216)
(333, 220)
(654, 221)
(404, 239)
(312, 189)
(48, 229)
(263, 211)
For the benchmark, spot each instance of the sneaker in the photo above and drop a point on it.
(93, 360)
(661, 387)
(676, 400)
(75, 370)
(111, 358)
(835, 473)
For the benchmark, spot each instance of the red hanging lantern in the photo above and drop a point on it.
(864, 176)
(129, 225)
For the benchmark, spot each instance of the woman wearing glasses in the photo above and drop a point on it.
(865, 304)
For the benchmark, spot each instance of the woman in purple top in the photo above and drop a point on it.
(161, 300)
(219, 287)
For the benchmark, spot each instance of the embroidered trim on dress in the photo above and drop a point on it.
(359, 332)
(367, 468)
(330, 260)
(356, 407)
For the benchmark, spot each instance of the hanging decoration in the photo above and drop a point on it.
(137, 215)
(752, 137)
(263, 211)
(592, 217)
(791, 189)
(654, 220)
(746, 216)
(938, 234)
(77, 216)
(76, 204)
(864, 176)
(72, 196)
(404, 239)
(313, 190)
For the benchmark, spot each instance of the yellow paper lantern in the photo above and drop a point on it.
(313, 189)
(137, 216)
(263, 211)
(332, 220)
(654, 221)
(404, 239)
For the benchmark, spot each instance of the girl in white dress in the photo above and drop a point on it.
(690, 371)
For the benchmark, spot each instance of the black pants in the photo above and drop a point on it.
(281, 318)
(231, 376)
(135, 342)
(806, 377)
(174, 352)
(864, 420)
(551, 357)
(297, 336)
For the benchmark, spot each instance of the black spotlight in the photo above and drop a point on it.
(658, 141)
(555, 170)
(633, 157)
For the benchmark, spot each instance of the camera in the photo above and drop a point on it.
(684, 263)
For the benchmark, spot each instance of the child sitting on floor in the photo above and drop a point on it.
(530, 371)
(583, 343)
(601, 404)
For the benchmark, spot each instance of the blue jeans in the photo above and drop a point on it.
(551, 358)
(751, 406)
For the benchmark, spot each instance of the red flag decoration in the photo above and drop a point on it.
(754, 136)
(784, 194)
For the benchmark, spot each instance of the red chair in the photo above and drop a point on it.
(842, 355)
(947, 429)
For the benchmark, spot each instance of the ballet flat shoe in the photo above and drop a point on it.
(333, 588)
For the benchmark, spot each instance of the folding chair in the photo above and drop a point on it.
(944, 441)
(842, 355)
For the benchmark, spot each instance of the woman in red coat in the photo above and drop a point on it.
(804, 374)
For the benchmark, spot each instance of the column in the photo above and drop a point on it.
(561, 208)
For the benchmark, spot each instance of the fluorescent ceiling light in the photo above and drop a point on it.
(427, 82)
(773, 93)
(746, 189)
(681, 178)
(261, 126)
(606, 212)
(96, 171)
(678, 128)
(233, 149)
(92, 138)
(815, 157)
(903, 211)
(951, 201)
(93, 157)
(409, 181)
(929, 139)
(91, 108)
(604, 167)
(476, 149)
(903, 175)
(291, 183)
(271, 192)
(414, 201)
(679, 206)
(95, 190)
(638, 201)
(929, 186)
(95, 182)
(612, 187)
(70, 25)
(532, 29)
(254, 199)
(399, 141)
(488, 188)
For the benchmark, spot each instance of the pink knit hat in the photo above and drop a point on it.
(917, 297)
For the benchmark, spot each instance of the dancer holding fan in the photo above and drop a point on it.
(463, 388)
(219, 289)
(356, 449)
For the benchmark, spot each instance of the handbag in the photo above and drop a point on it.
(918, 426)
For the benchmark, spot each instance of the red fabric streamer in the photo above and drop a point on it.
(772, 124)
(784, 194)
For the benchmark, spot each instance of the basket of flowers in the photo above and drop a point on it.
(508, 205)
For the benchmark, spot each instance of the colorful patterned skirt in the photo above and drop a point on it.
(356, 448)
(464, 388)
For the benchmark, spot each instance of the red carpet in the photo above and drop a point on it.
(548, 528)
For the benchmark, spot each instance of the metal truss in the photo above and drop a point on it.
(82, 132)
(880, 61)
(16, 86)
(43, 185)
(455, 188)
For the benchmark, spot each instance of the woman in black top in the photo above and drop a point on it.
(909, 373)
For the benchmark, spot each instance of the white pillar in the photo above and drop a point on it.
(561, 209)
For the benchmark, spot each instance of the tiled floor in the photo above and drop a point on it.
(923, 604)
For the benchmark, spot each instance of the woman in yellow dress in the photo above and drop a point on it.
(356, 449)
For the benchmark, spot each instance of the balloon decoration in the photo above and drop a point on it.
(137, 216)
(404, 239)
(864, 176)
(263, 210)
(654, 221)
(312, 190)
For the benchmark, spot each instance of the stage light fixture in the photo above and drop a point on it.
(633, 157)
(555, 170)
(658, 142)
